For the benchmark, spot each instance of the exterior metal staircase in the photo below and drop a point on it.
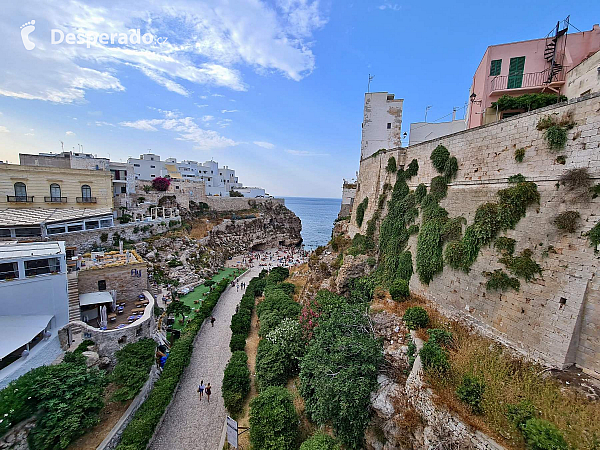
(555, 49)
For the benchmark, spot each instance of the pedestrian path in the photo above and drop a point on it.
(191, 423)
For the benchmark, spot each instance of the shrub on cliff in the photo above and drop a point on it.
(133, 366)
(399, 290)
(543, 435)
(236, 382)
(391, 165)
(320, 441)
(161, 183)
(434, 357)
(273, 420)
(415, 318)
(471, 392)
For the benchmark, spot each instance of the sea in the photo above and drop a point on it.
(317, 216)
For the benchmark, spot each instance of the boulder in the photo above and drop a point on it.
(92, 358)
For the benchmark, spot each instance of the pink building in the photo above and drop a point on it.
(517, 68)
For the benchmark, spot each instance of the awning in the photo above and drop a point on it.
(16, 331)
(95, 298)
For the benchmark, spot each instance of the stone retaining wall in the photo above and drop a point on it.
(555, 317)
(223, 204)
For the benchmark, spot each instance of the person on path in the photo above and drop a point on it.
(208, 392)
(212, 324)
(201, 388)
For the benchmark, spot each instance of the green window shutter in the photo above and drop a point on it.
(495, 67)
(515, 72)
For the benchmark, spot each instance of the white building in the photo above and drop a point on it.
(425, 131)
(219, 181)
(34, 304)
(382, 123)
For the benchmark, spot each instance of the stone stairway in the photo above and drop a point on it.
(72, 287)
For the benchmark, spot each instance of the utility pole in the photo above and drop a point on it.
(369, 84)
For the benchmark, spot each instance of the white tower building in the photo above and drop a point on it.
(382, 123)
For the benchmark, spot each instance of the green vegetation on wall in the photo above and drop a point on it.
(360, 211)
(527, 101)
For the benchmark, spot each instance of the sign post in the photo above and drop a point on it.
(233, 432)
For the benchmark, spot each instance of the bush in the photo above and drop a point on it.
(412, 169)
(133, 366)
(434, 357)
(233, 193)
(499, 280)
(471, 392)
(522, 266)
(360, 211)
(236, 382)
(399, 290)
(391, 165)
(104, 237)
(440, 336)
(556, 137)
(451, 168)
(505, 244)
(237, 342)
(576, 179)
(273, 420)
(594, 236)
(519, 155)
(567, 221)
(320, 441)
(161, 183)
(527, 102)
(520, 413)
(543, 435)
(518, 178)
(439, 188)
(272, 365)
(439, 158)
(415, 318)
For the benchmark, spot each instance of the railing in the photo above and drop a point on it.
(86, 199)
(527, 80)
(55, 199)
(19, 198)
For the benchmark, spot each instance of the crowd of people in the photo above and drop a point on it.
(281, 256)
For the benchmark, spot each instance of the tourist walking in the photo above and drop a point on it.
(212, 324)
(201, 389)
(208, 392)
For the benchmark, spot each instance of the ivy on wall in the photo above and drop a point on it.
(360, 211)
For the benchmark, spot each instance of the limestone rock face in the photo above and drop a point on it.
(353, 267)
(92, 358)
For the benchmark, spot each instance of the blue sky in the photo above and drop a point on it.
(272, 89)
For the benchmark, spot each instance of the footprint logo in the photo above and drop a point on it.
(26, 30)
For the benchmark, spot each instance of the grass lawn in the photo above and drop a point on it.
(198, 294)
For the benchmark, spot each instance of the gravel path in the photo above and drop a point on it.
(191, 423)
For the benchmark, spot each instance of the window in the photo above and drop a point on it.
(42, 266)
(55, 191)
(86, 191)
(152, 159)
(28, 232)
(152, 176)
(389, 125)
(8, 271)
(101, 285)
(20, 190)
(515, 72)
(4, 232)
(123, 190)
(153, 167)
(75, 227)
(92, 225)
(106, 223)
(56, 230)
(136, 165)
(495, 67)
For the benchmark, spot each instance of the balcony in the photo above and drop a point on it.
(55, 199)
(86, 199)
(19, 198)
(528, 81)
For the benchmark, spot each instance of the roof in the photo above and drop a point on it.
(16, 331)
(12, 250)
(37, 216)
(95, 298)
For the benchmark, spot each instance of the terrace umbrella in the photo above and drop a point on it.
(103, 318)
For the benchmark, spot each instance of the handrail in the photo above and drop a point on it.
(20, 198)
(86, 200)
(53, 199)
(533, 79)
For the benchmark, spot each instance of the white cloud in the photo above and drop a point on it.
(207, 118)
(217, 95)
(208, 43)
(390, 6)
(224, 111)
(200, 106)
(305, 153)
(70, 133)
(101, 123)
(264, 144)
(187, 130)
(3, 129)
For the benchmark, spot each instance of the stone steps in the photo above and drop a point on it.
(72, 287)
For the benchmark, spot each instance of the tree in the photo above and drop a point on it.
(177, 307)
(273, 420)
(233, 193)
(161, 183)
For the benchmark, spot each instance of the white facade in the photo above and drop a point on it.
(34, 304)
(148, 166)
(382, 123)
(584, 79)
(251, 192)
(425, 131)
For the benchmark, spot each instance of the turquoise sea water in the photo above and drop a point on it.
(317, 216)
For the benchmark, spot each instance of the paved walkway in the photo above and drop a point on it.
(191, 423)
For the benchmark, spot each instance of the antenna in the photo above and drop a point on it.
(62, 144)
(369, 84)
(427, 109)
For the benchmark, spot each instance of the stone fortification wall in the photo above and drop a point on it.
(555, 317)
(129, 280)
(226, 204)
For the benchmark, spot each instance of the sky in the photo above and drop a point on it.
(272, 89)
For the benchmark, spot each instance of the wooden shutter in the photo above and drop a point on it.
(515, 72)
